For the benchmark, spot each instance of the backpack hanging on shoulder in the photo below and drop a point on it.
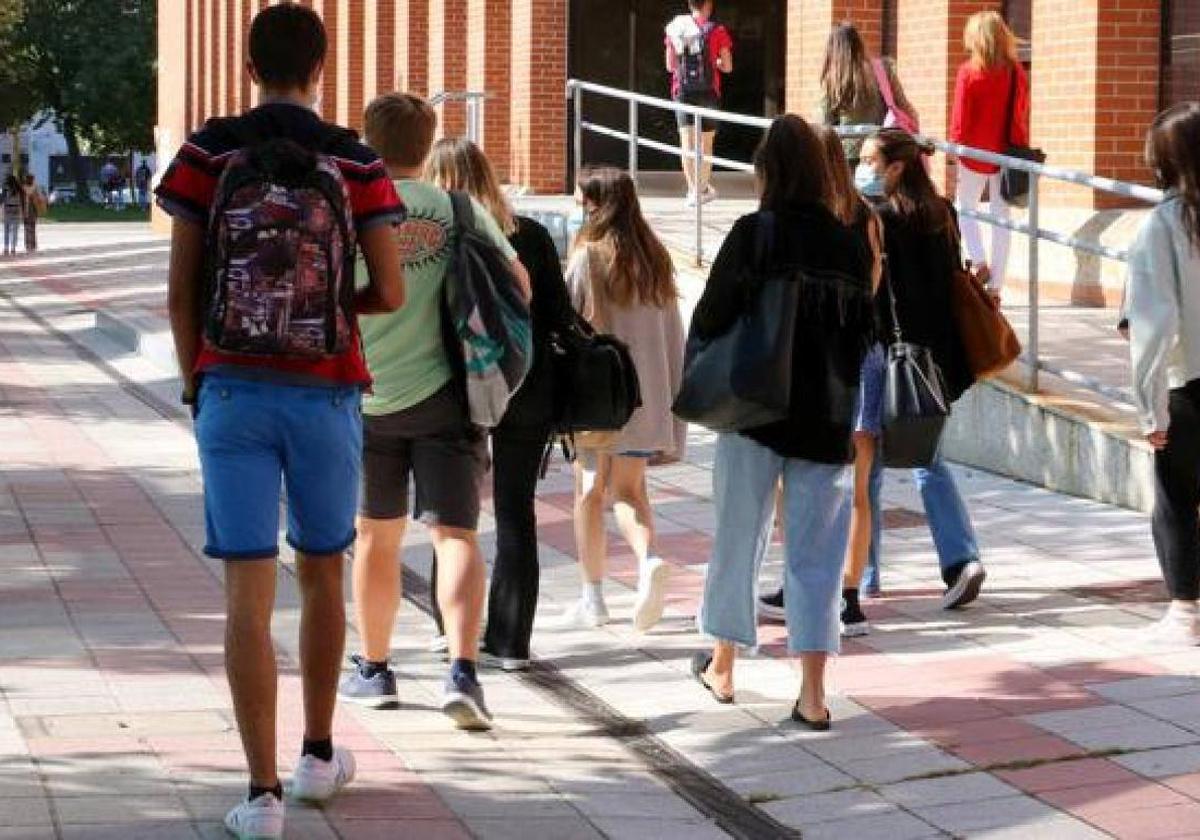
(695, 67)
(280, 274)
(490, 327)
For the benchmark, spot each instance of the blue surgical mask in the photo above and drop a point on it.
(868, 181)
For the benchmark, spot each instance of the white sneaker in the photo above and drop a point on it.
(582, 615)
(316, 780)
(258, 819)
(1178, 626)
(439, 644)
(651, 593)
(690, 199)
(709, 193)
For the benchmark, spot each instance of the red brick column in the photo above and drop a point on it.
(412, 46)
(929, 51)
(349, 34)
(381, 22)
(489, 63)
(176, 50)
(448, 60)
(1095, 88)
(809, 23)
(539, 106)
(195, 64)
(212, 59)
(328, 10)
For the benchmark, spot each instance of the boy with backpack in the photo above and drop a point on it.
(418, 428)
(269, 210)
(699, 50)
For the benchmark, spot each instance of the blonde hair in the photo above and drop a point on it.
(989, 40)
(458, 164)
(400, 128)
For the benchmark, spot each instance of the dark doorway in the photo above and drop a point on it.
(620, 43)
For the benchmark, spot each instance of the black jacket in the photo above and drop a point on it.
(531, 409)
(919, 269)
(835, 324)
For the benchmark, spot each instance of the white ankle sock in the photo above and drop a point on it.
(593, 593)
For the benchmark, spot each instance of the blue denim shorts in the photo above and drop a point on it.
(870, 392)
(256, 437)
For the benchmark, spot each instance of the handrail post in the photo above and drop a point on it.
(473, 121)
(698, 163)
(577, 141)
(633, 140)
(1035, 182)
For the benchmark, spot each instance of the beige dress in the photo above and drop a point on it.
(655, 338)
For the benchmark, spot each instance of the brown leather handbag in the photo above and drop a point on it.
(987, 338)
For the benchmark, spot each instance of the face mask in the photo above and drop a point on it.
(868, 181)
(575, 220)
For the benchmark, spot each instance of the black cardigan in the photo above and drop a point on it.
(833, 331)
(920, 266)
(531, 409)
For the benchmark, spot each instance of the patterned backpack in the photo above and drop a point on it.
(280, 277)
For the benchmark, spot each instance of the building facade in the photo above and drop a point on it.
(1100, 69)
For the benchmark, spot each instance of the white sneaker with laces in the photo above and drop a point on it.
(651, 593)
(257, 819)
(1178, 626)
(582, 615)
(316, 780)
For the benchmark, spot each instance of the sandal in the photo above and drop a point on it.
(821, 725)
(700, 663)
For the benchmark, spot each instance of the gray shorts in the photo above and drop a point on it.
(434, 442)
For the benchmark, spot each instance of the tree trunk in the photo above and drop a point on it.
(15, 134)
(82, 194)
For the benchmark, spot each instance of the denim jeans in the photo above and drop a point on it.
(12, 230)
(816, 510)
(949, 521)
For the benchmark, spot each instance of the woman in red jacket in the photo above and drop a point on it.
(991, 111)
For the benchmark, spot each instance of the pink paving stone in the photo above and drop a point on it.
(413, 801)
(1113, 670)
(1115, 797)
(1188, 785)
(1087, 772)
(912, 712)
(1163, 823)
(48, 747)
(1068, 700)
(401, 829)
(1038, 748)
(967, 732)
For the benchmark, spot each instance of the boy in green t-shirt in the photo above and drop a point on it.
(416, 426)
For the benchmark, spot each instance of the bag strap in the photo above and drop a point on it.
(1012, 105)
(884, 83)
(462, 211)
(764, 240)
(887, 279)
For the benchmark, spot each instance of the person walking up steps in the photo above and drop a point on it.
(699, 51)
(1163, 307)
(275, 388)
(990, 112)
(622, 281)
(519, 442)
(418, 430)
(797, 238)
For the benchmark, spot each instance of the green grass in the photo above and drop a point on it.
(94, 213)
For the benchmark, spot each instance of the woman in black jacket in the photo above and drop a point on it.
(811, 449)
(921, 241)
(519, 442)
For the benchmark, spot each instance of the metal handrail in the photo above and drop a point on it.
(474, 100)
(1031, 228)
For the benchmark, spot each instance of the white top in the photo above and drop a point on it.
(684, 34)
(1162, 303)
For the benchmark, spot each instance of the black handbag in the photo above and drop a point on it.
(596, 385)
(1014, 183)
(743, 378)
(915, 406)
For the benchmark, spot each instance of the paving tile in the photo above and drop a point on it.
(1147, 688)
(524, 829)
(890, 826)
(970, 787)
(1166, 762)
(1055, 827)
(1064, 775)
(94, 810)
(807, 811)
(31, 812)
(1119, 797)
(963, 818)
(628, 828)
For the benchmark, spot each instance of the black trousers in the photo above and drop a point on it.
(512, 598)
(1176, 521)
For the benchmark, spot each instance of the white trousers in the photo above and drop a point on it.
(969, 192)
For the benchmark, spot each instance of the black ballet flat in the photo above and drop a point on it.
(821, 725)
(700, 663)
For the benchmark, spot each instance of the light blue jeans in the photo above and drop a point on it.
(12, 229)
(949, 521)
(816, 510)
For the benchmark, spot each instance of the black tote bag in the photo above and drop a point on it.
(743, 378)
(1014, 183)
(915, 406)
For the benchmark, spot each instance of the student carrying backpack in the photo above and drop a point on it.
(268, 210)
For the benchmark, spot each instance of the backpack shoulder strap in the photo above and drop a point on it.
(464, 213)
(884, 83)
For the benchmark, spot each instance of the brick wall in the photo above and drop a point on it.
(412, 46)
(489, 63)
(385, 47)
(809, 23)
(448, 60)
(539, 106)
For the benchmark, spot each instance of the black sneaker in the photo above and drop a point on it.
(965, 587)
(462, 702)
(771, 606)
(367, 686)
(854, 623)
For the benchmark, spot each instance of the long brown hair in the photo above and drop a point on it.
(1173, 152)
(913, 195)
(640, 268)
(458, 164)
(844, 199)
(790, 165)
(846, 79)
